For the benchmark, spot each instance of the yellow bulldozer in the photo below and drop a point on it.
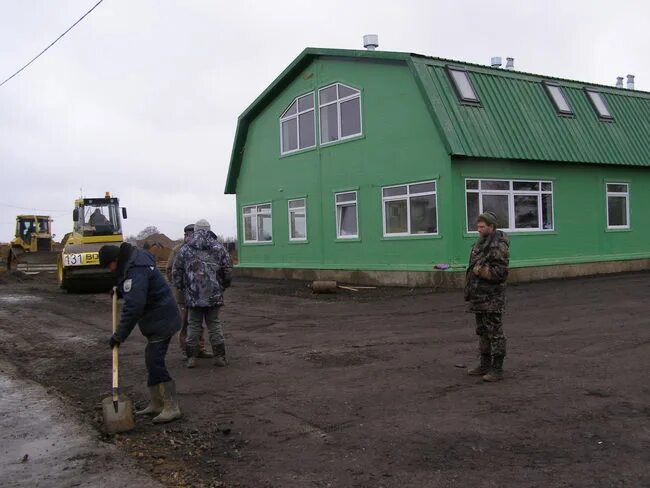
(31, 248)
(96, 222)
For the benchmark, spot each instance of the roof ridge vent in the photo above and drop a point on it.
(496, 61)
(510, 63)
(630, 82)
(371, 42)
(619, 82)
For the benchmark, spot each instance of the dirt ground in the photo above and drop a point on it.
(367, 389)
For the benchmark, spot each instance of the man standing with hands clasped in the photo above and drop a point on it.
(485, 288)
(202, 271)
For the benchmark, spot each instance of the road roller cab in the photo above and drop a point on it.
(96, 222)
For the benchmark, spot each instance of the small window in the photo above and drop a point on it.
(556, 93)
(518, 205)
(298, 219)
(347, 225)
(462, 85)
(618, 206)
(298, 125)
(258, 223)
(340, 113)
(599, 104)
(410, 209)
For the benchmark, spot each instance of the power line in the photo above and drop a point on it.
(31, 208)
(52, 43)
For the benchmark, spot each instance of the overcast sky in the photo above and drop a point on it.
(142, 97)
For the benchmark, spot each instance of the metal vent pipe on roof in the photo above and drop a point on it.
(619, 82)
(371, 41)
(496, 62)
(510, 63)
(630, 82)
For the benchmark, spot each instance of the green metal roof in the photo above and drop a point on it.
(515, 120)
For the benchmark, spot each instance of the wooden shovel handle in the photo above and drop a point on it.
(115, 349)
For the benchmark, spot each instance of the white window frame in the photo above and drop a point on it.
(293, 210)
(618, 194)
(296, 116)
(255, 213)
(407, 196)
(511, 202)
(343, 204)
(338, 102)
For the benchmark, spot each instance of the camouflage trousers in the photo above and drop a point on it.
(489, 328)
(196, 316)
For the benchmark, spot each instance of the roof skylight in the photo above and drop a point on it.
(556, 93)
(463, 85)
(599, 104)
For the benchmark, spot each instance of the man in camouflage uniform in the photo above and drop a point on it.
(202, 270)
(485, 287)
(180, 300)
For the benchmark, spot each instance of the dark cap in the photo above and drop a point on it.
(108, 254)
(489, 218)
(189, 228)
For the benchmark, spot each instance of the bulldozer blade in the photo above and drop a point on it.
(34, 262)
(118, 416)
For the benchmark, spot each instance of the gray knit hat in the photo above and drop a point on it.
(202, 225)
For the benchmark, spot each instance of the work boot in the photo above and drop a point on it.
(496, 372)
(171, 410)
(155, 402)
(483, 368)
(191, 356)
(220, 355)
(204, 352)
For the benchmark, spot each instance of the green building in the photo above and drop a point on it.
(371, 166)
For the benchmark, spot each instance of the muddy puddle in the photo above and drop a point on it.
(42, 444)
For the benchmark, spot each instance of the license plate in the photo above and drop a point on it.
(81, 259)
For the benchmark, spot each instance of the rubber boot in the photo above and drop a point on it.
(191, 357)
(220, 355)
(204, 352)
(483, 368)
(496, 372)
(155, 402)
(171, 410)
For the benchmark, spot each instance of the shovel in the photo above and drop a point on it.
(118, 412)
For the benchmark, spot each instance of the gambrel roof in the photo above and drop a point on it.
(514, 119)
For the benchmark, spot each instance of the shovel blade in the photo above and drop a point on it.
(120, 420)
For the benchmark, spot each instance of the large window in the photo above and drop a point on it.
(518, 205)
(297, 219)
(347, 224)
(618, 206)
(410, 209)
(297, 125)
(340, 112)
(258, 223)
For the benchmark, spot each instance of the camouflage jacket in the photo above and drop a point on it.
(202, 270)
(485, 281)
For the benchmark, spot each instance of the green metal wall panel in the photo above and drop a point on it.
(399, 145)
(579, 195)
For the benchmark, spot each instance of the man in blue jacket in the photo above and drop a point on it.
(148, 302)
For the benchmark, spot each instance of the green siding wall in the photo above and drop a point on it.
(579, 194)
(399, 145)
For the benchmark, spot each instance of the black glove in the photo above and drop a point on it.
(113, 341)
